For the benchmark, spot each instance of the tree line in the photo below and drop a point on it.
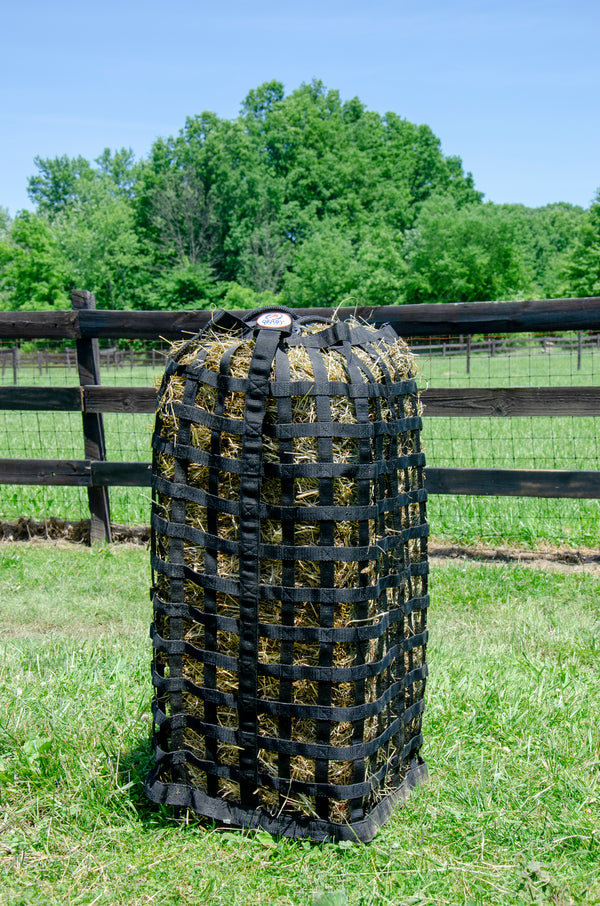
(303, 199)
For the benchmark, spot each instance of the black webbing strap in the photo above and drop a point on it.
(291, 824)
(249, 539)
(336, 333)
(363, 493)
(321, 553)
(288, 471)
(285, 413)
(289, 633)
(326, 569)
(287, 388)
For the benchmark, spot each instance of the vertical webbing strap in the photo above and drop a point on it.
(255, 405)
(326, 570)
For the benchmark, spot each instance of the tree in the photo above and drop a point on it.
(302, 194)
(381, 266)
(97, 238)
(325, 270)
(63, 181)
(119, 169)
(59, 182)
(199, 195)
(186, 285)
(259, 102)
(545, 237)
(265, 258)
(462, 255)
(582, 267)
(89, 212)
(33, 271)
(4, 223)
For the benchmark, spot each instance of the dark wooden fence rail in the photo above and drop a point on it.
(438, 320)
(87, 325)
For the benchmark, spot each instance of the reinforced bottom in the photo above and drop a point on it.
(232, 814)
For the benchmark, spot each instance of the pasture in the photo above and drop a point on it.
(511, 813)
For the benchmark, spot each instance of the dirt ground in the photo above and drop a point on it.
(555, 559)
(552, 559)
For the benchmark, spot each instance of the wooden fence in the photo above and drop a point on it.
(86, 325)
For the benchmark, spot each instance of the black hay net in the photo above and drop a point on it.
(289, 576)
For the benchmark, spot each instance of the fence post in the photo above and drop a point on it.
(88, 366)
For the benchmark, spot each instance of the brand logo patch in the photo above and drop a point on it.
(276, 319)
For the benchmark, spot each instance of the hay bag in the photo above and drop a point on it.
(289, 576)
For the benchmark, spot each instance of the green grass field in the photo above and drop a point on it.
(525, 442)
(511, 813)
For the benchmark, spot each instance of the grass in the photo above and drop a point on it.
(512, 739)
(536, 443)
(524, 365)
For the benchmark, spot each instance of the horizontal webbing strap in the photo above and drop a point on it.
(350, 430)
(294, 672)
(297, 747)
(305, 553)
(277, 389)
(183, 684)
(355, 633)
(338, 332)
(296, 513)
(358, 430)
(283, 785)
(331, 713)
(301, 593)
(286, 824)
(290, 471)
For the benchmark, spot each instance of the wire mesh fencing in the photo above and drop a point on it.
(58, 435)
(540, 441)
(514, 441)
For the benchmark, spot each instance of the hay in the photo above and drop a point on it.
(378, 363)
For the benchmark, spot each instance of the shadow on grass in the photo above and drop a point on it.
(134, 767)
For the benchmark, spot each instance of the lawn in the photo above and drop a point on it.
(511, 813)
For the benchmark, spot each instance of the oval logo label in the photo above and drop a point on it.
(276, 319)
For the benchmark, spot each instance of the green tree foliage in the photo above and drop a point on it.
(198, 194)
(60, 181)
(462, 254)
(185, 285)
(254, 198)
(338, 160)
(119, 169)
(64, 181)
(89, 214)
(33, 271)
(582, 266)
(302, 197)
(382, 268)
(4, 223)
(545, 236)
(96, 236)
(325, 270)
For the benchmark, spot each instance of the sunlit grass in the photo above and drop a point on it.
(511, 813)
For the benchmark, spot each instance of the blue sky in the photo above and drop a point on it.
(511, 87)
